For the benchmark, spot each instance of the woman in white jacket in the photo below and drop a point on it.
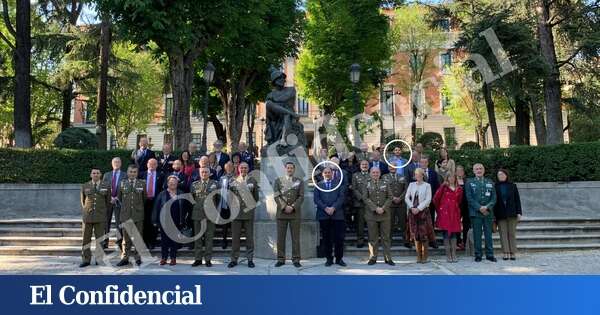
(418, 198)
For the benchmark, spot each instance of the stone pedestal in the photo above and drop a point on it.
(265, 228)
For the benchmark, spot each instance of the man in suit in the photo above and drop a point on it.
(166, 159)
(409, 170)
(359, 183)
(363, 154)
(178, 171)
(246, 155)
(132, 194)
(195, 155)
(95, 200)
(398, 185)
(329, 201)
(378, 200)
(220, 156)
(201, 189)
(141, 156)
(154, 185)
(378, 163)
(289, 196)
(113, 179)
(432, 177)
(245, 189)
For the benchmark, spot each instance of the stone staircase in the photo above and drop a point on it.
(62, 237)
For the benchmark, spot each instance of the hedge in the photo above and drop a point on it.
(568, 162)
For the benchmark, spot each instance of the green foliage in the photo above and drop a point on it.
(431, 140)
(466, 107)
(76, 138)
(470, 145)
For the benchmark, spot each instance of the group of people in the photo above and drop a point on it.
(391, 196)
(412, 198)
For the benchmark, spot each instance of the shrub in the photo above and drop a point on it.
(432, 140)
(470, 145)
(76, 138)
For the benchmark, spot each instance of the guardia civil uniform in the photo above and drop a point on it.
(246, 191)
(398, 185)
(201, 189)
(95, 200)
(288, 191)
(359, 184)
(377, 194)
(481, 192)
(132, 195)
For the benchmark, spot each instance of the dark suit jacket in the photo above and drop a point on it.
(141, 160)
(382, 166)
(178, 208)
(182, 181)
(433, 178)
(247, 157)
(512, 206)
(107, 179)
(159, 179)
(334, 199)
(409, 171)
(224, 159)
(163, 163)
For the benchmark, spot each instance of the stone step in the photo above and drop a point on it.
(68, 241)
(219, 252)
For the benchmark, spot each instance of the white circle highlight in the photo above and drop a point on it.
(385, 156)
(317, 184)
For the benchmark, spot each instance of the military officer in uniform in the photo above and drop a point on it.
(95, 200)
(289, 196)
(201, 189)
(359, 183)
(378, 199)
(245, 189)
(398, 184)
(131, 195)
(481, 197)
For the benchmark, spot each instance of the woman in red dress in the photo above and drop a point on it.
(447, 201)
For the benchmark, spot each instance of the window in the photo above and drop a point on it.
(387, 101)
(450, 137)
(196, 138)
(512, 135)
(168, 107)
(445, 60)
(113, 142)
(444, 24)
(88, 114)
(444, 102)
(303, 107)
(419, 133)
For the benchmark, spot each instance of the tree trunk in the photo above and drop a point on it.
(552, 93)
(413, 125)
(522, 121)
(219, 129)
(67, 98)
(491, 111)
(22, 56)
(250, 121)
(181, 68)
(105, 43)
(235, 107)
(539, 123)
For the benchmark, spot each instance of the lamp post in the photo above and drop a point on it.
(209, 73)
(355, 78)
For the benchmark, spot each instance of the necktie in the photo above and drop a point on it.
(114, 184)
(151, 185)
(328, 184)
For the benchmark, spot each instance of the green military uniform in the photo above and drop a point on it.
(95, 200)
(201, 189)
(359, 184)
(132, 195)
(398, 186)
(288, 191)
(243, 189)
(378, 194)
(481, 192)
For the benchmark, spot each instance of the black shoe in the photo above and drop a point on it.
(371, 262)
(123, 262)
(513, 258)
(84, 264)
(341, 263)
(477, 259)
(232, 264)
(329, 262)
(251, 264)
(208, 263)
(408, 245)
(390, 262)
(197, 263)
(491, 258)
(138, 262)
(297, 264)
(433, 245)
(279, 264)
(504, 258)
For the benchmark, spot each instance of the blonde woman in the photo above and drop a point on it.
(418, 198)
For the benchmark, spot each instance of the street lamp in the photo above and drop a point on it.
(209, 74)
(355, 78)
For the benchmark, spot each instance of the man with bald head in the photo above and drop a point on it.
(154, 185)
(113, 179)
(329, 197)
(142, 155)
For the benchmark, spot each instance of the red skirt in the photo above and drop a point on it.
(420, 226)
